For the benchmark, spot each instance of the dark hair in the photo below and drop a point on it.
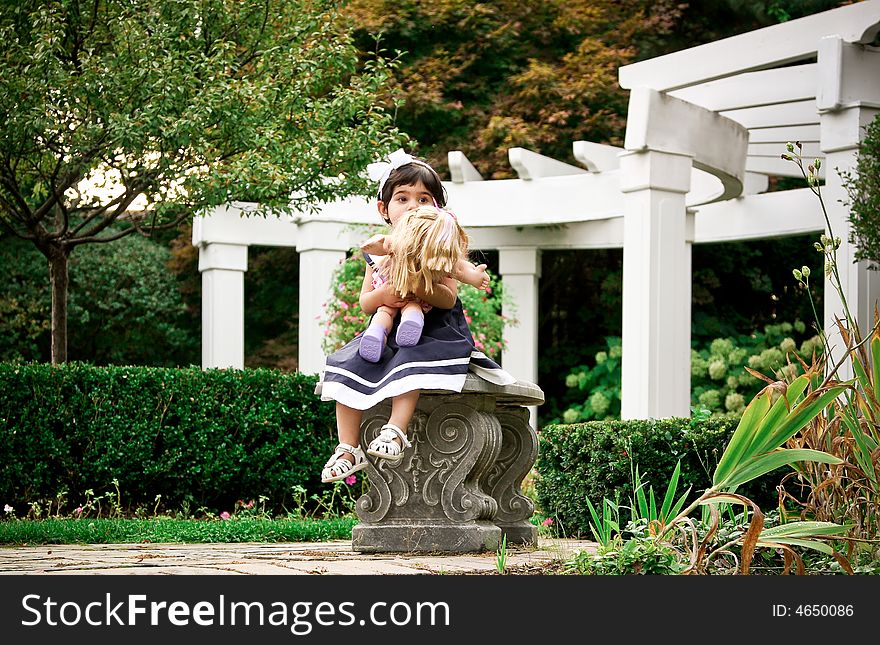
(411, 174)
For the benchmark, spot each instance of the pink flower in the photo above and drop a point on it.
(224, 515)
(468, 319)
(351, 479)
(250, 504)
(547, 522)
(79, 510)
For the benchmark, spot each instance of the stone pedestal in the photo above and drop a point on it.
(458, 489)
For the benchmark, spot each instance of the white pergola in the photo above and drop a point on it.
(706, 127)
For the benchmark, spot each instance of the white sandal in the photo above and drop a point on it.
(342, 466)
(384, 445)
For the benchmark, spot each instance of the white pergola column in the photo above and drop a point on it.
(520, 268)
(848, 96)
(222, 267)
(321, 248)
(656, 285)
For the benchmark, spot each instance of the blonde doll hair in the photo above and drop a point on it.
(426, 243)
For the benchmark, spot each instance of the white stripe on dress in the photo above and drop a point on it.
(404, 366)
(336, 391)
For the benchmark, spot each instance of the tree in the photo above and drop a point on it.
(181, 104)
(125, 307)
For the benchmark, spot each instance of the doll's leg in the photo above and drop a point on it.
(412, 321)
(348, 458)
(474, 275)
(391, 441)
(373, 339)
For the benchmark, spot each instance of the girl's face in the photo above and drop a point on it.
(403, 199)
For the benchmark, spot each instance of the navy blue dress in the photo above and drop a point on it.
(440, 361)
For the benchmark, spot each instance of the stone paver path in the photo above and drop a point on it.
(294, 558)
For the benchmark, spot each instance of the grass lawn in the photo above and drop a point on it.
(157, 530)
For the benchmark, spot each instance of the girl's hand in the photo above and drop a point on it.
(390, 298)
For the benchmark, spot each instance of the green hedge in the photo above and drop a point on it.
(594, 460)
(204, 438)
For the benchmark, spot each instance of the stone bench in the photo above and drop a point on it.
(458, 489)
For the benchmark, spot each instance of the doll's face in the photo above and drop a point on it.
(405, 198)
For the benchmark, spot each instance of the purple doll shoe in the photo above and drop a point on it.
(372, 343)
(410, 329)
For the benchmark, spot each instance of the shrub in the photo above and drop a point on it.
(201, 438)
(597, 459)
(719, 382)
(124, 305)
(863, 189)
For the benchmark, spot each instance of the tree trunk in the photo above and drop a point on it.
(58, 260)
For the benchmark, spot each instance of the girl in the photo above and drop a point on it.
(440, 361)
(426, 245)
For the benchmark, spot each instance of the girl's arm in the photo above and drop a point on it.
(371, 299)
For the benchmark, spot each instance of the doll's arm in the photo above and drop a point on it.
(474, 275)
(443, 294)
(377, 245)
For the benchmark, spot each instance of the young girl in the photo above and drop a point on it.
(440, 361)
(426, 245)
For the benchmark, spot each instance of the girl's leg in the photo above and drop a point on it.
(348, 429)
(412, 321)
(402, 409)
(392, 439)
(348, 424)
(373, 339)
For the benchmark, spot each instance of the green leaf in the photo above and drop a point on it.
(671, 489)
(799, 417)
(678, 505)
(875, 357)
(762, 464)
(863, 455)
(804, 529)
(743, 436)
(807, 544)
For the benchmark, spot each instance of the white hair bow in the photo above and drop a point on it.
(381, 170)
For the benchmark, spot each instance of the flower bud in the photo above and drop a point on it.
(806, 271)
(789, 146)
(797, 275)
(817, 163)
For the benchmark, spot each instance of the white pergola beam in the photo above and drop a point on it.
(760, 49)
(460, 168)
(784, 134)
(849, 75)
(777, 115)
(664, 123)
(531, 165)
(596, 157)
(231, 225)
(753, 89)
(808, 149)
(756, 217)
(777, 166)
